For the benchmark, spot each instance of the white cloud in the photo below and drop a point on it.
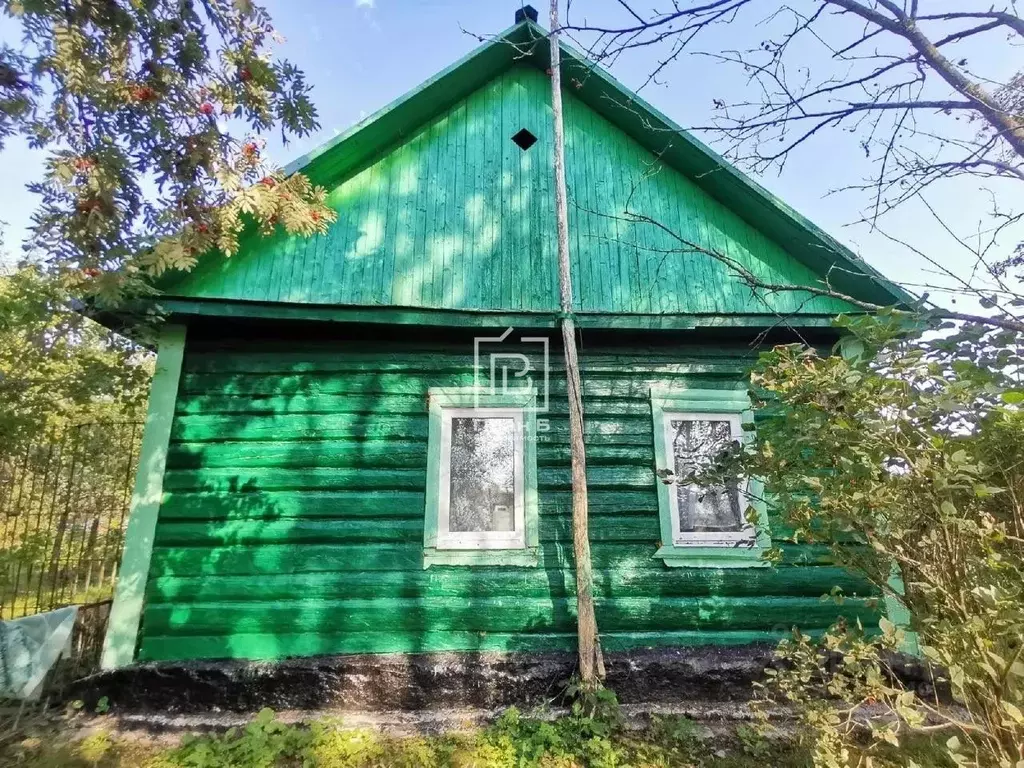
(366, 3)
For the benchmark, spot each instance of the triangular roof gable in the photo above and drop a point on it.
(366, 261)
(525, 42)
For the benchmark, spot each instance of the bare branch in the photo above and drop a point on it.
(876, 93)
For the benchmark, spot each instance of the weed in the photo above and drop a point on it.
(577, 740)
(263, 743)
(753, 741)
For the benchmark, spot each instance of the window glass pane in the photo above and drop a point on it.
(482, 492)
(694, 445)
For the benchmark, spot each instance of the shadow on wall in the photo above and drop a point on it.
(293, 518)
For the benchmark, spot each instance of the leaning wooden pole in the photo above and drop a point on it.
(591, 661)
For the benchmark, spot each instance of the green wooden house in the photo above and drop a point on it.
(358, 442)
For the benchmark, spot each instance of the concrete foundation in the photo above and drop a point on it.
(439, 681)
(683, 679)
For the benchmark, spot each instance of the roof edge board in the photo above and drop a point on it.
(184, 308)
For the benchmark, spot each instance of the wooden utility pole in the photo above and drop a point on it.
(591, 660)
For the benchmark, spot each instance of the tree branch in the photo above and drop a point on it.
(754, 282)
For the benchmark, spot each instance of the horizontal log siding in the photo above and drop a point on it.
(293, 515)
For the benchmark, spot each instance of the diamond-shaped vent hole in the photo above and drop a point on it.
(524, 139)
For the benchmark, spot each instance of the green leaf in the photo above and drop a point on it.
(1013, 711)
(956, 675)
(1013, 397)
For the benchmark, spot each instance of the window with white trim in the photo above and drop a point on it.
(480, 494)
(704, 515)
(723, 526)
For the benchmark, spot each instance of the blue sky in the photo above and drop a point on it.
(361, 54)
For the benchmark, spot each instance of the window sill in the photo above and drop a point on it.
(713, 557)
(508, 558)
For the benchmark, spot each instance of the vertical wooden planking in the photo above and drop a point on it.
(579, 199)
(600, 230)
(535, 169)
(412, 191)
(406, 235)
(697, 297)
(617, 279)
(298, 288)
(426, 158)
(636, 197)
(443, 188)
(384, 224)
(643, 237)
(719, 242)
(351, 269)
(326, 251)
(399, 259)
(591, 194)
(375, 221)
(240, 272)
(656, 299)
(705, 280)
(261, 267)
(487, 285)
(743, 249)
(338, 267)
(473, 168)
(311, 280)
(512, 271)
(392, 226)
(547, 295)
(520, 270)
(431, 251)
(488, 279)
(622, 281)
(497, 257)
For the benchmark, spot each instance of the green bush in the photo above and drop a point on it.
(905, 458)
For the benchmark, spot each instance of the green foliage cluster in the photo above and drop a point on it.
(58, 368)
(513, 741)
(72, 394)
(905, 457)
(150, 112)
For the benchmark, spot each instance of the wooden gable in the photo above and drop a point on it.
(454, 215)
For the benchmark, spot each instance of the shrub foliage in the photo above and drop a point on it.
(904, 455)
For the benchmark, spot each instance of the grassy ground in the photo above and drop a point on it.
(513, 741)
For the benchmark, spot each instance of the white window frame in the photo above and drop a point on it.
(748, 532)
(447, 539)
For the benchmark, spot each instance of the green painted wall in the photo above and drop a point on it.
(292, 521)
(458, 217)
